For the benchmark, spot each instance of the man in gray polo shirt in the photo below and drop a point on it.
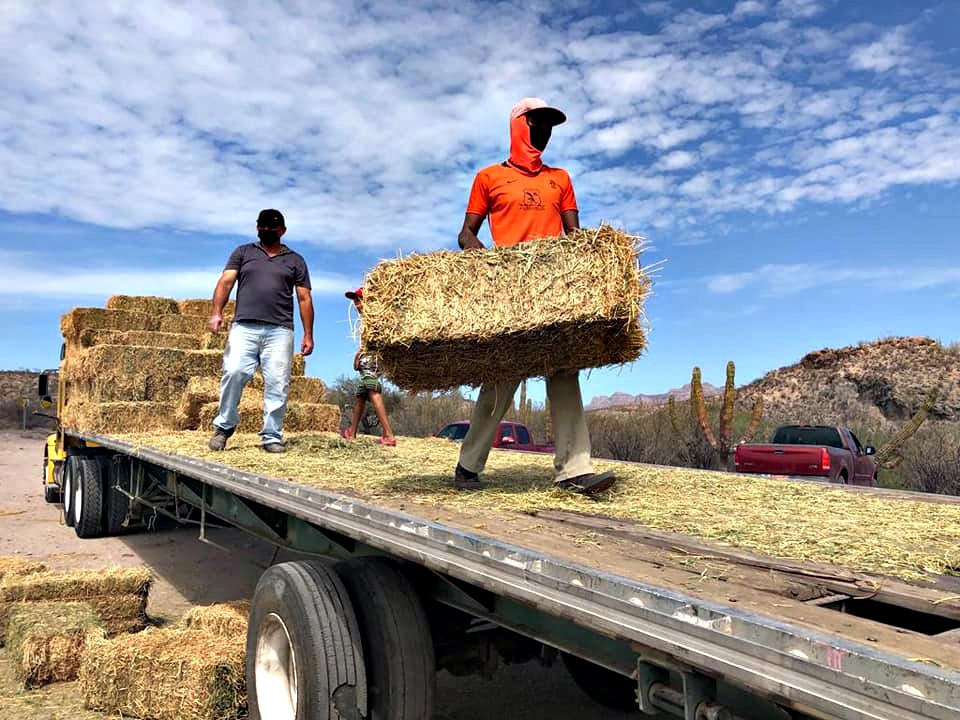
(261, 336)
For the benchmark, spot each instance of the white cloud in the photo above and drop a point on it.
(367, 134)
(886, 53)
(746, 8)
(789, 279)
(29, 276)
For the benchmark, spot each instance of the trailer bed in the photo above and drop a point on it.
(772, 624)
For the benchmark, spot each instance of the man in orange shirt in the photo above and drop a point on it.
(525, 200)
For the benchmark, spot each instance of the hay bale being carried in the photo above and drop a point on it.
(300, 417)
(226, 619)
(46, 640)
(446, 319)
(144, 304)
(16, 567)
(166, 675)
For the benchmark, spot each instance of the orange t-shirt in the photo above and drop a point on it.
(521, 207)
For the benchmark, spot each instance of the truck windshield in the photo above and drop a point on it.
(795, 435)
(456, 431)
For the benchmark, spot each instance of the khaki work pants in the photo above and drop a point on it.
(572, 456)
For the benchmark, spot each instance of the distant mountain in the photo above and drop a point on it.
(621, 399)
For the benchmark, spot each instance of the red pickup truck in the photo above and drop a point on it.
(510, 436)
(833, 453)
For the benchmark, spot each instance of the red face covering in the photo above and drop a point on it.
(523, 155)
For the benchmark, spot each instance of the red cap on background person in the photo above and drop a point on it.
(354, 294)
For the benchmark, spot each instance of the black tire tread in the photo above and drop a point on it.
(116, 505)
(70, 473)
(333, 658)
(87, 524)
(604, 687)
(401, 667)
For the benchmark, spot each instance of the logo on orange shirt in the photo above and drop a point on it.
(531, 200)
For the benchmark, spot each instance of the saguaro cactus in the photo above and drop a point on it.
(889, 455)
(522, 415)
(722, 440)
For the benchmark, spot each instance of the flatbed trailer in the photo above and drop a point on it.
(663, 623)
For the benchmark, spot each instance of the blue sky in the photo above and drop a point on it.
(793, 163)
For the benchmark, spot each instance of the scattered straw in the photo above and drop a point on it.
(46, 640)
(228, 619)
(463, 318)
(15, 566)
(168, 674)
(800, 521)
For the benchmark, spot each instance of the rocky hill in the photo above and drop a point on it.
(626, 400)
(880, 381)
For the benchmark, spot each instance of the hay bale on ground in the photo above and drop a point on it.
(205, 307)
(301, 417)
(464, 318)
(80, 319)
(166, 675)
(119, 614)
(227, 619)
(119, 417)
(146, 338)
(144, 304)
(46, 640)
(77, 585)
(16, 567)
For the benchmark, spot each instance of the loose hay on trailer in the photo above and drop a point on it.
(446, 319)
(46, 640)
(169, 674)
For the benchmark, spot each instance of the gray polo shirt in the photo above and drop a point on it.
(265, 285)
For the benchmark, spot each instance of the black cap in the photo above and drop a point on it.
(270, 218)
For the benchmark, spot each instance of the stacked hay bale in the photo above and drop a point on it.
(117, 596)
(46, 640)
(129, 368)
(446, 319)
(192, 672)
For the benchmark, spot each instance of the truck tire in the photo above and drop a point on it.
(304, 657)
(116, 505)
(605, 687)
(842, 477)
(88, 499)
(397, 644)
(70, 473)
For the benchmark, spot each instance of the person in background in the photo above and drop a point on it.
(369, 388)
(268, 274)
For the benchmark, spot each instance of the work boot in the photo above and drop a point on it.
(274, 448)
(219, 440)
(463, 479)
(589, 484)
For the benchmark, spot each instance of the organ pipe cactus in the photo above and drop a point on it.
(722, 441)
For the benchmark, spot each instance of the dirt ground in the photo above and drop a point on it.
(188, 572)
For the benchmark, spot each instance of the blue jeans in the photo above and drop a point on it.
(251, 345)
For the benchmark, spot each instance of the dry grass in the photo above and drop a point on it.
(15, 567)
(446, 319)
(166, 675)
(46, 640)
(228, 619)
(143, 304)
(799, 521)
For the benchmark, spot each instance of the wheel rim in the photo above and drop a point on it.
(68, 492)
(276, 671)
(78, 500)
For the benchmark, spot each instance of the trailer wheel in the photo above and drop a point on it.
(116, 505)
(610, 689)
(88, 498)
(398, 647)
(70, 474)
(304, 657)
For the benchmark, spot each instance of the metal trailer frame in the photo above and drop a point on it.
(651, 634)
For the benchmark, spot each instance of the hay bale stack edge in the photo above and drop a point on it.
(446, 319)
